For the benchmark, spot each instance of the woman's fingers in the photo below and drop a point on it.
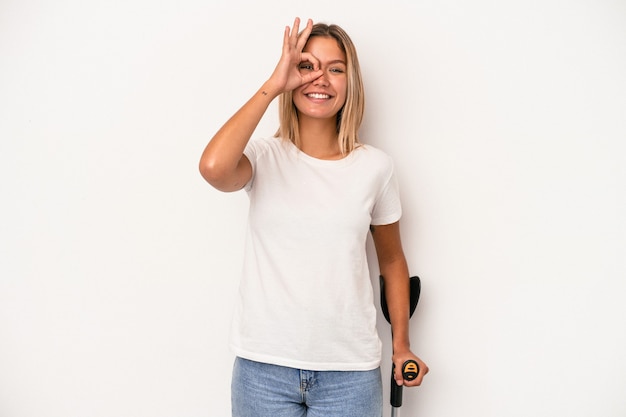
(309, 57)
(294, 39)
(399, 360)
(293, 34)
(313, 73)
(288, 74)
(304, 36)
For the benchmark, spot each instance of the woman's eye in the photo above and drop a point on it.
(306, 66)
(337, 70)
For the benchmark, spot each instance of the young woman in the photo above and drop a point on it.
(304, 330)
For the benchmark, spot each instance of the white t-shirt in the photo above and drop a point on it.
(305, 298)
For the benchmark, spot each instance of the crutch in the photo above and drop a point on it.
(410, 369)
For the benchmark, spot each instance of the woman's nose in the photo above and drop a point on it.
(321, 80)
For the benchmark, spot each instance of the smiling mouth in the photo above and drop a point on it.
(317, 95)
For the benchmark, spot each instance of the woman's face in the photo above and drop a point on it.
(323, 97)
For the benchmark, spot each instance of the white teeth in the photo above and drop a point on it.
(318, 95)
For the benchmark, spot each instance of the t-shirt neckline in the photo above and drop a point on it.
(321, 162)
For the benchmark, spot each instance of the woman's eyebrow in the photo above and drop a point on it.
(334, 61)
(331, 62)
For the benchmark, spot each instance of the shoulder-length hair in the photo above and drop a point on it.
(350, 116)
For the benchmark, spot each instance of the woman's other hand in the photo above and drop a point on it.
(399, 358)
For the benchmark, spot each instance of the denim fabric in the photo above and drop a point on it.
(263, 390)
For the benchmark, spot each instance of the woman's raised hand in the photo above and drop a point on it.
(287, 75)
(223, 164)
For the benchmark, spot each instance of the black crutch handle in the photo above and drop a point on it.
(410, 369)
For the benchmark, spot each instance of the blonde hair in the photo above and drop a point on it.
(350, 116)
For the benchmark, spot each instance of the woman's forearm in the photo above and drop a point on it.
(221, 162)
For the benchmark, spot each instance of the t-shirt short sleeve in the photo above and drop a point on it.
(387, 207)
(252, 151)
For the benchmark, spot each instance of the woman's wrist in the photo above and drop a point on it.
(401, 345)
(269, 90)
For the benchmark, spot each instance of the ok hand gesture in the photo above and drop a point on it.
(287, 75)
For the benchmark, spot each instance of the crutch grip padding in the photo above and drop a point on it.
(396, 391)
(410, 369)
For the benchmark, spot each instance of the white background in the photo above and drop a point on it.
(119, 265)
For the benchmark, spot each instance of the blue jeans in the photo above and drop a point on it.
(263, 390)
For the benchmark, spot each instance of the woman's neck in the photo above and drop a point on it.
(318, 138)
